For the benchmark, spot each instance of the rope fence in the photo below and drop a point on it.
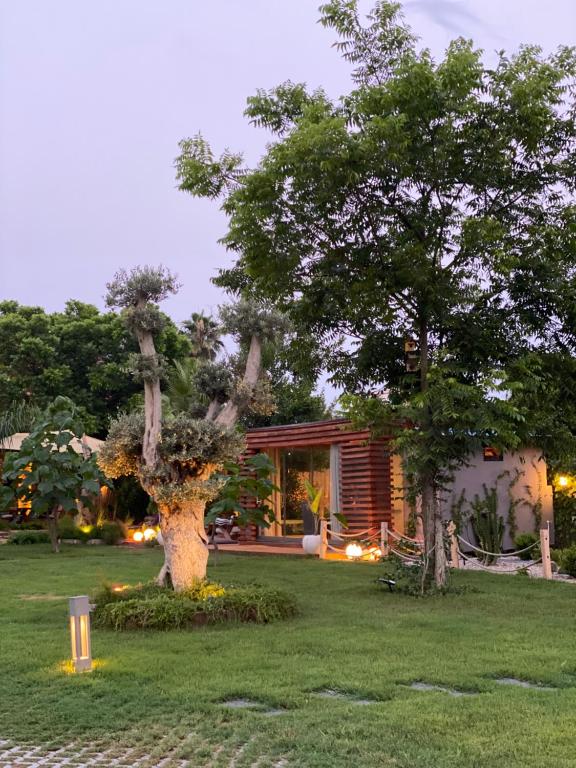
(412, 551)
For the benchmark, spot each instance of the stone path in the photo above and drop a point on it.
(74, 755)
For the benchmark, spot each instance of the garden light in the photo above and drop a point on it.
(138, 536)
(353, 551)
(563, 481)
(80, 633)
(149, 534)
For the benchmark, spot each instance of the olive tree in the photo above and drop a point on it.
(178, 460)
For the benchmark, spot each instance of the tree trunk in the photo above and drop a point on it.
(53, 531)
(434, 558)
(228, 416)
(185, 544)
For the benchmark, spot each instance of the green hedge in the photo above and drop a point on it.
(29, 537)
(152, 607)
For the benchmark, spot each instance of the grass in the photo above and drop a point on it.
(350, 637)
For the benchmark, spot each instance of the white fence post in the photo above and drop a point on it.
(545, 549)
(323, 539)
(384, 539)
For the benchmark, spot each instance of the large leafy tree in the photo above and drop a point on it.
(81, 352)
(434, 204)
(54, 468)
(177, 458)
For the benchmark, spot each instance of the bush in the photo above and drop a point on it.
(29, 525)
(67, 529)
(111, 533)
(151, 607)
(29, 537)
(566, 559)
(524, 540)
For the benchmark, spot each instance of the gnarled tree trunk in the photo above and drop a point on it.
(185, 544)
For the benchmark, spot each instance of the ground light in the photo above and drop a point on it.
(563, 481)
(353, 551)
(80, 633)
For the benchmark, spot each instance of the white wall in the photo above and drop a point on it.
(530, 488)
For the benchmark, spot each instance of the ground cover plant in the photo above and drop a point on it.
(149, 606)
(165, 691)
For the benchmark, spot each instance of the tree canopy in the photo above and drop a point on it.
(80, 352)
(432, 205)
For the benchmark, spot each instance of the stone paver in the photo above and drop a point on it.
(91, 755)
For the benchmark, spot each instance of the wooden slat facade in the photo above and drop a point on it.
(365, 471)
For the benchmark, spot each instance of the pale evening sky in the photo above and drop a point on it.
(95, 95)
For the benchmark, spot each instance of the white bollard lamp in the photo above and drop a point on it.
(80, 633)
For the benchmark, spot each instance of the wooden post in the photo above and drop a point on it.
(545, 549)
(454, 559)
(384, 539)
(323, 539)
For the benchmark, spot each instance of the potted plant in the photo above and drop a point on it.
(312, 515)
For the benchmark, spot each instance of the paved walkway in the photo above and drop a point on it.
(260, 549)
(163, 755)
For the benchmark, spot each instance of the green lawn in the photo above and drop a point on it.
(350, 636)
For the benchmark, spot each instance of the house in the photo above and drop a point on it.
(362, 479)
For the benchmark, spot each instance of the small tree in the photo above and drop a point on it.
(177, 460)
(48, 472)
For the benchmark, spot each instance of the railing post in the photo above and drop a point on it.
(545, 549)
(454, 559)
(323, 539)
(384, 546)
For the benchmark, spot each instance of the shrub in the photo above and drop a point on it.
(567, 560)
(29, 525)
(67, 529)
(524, 540)
(111, 533)
(151, 607)
(29, 537)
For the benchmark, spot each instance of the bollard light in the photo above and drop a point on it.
(149, 534)
(80, 633)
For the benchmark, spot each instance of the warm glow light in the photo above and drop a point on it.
(563, 481)
(353, 551)
(375, 553)
(138, 536)
(149, 534)
(119, 587)
(80, 633)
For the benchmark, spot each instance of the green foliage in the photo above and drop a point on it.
(487, 524)
(566, 560)
(245, 319)
(246, 490)
(204, 334)
(188, 445)
(141, 284)
(47, 472)
(80, 351)
(524, 540)
(29, 537)
(111, 532)
(415, 207)
(564, 517)
(411, 579)
(436, 430)
(67, 529)
(151, 607)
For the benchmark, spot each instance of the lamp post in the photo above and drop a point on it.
(80, 633)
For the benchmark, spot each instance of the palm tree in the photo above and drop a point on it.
(204, 333)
